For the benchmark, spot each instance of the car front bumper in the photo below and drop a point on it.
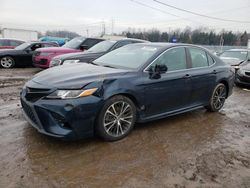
(242, 80)
(66, 119)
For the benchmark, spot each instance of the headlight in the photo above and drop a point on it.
(236, 67)
(71, 61)
(71, 94)
(55, 62)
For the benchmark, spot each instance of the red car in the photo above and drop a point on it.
(43, 56)
(10, 43)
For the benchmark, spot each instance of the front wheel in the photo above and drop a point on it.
(116, 119)
(7, 62)
(218, 98)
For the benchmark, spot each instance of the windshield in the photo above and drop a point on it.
(22, 46)
(102, 46)
(241, 55)
(128, 57)
(74, 43)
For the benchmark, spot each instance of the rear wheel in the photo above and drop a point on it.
(7, 62)
(218, 98)
(116, 119)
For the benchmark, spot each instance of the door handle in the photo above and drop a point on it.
(214, 72)
(187, 76)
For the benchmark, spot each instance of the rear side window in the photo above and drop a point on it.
(198, 57)
(122, 43)
(174, 59)
(210, 60)
(91, 42)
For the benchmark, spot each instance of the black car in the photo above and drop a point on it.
(135, 83)
(243, 75)
(93, 53)
(22, 54)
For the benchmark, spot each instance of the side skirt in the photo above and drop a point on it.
(167, 114)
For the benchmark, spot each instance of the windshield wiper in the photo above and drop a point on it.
(94, 63)
(109, 66)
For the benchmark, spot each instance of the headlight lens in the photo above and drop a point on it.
(236, 67)
(71, 94)
(71, 61)
(55, 62)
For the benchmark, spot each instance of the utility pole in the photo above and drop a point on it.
(87, 32)
(112, 26)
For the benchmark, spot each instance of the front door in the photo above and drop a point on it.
(172, 91)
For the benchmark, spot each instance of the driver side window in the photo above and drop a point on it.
(174, 59)
(35, 46)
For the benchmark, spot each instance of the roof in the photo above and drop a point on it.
(12, 39)
(166, 44)
(238, 50)
(133, 39)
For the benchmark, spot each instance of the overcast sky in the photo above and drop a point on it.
(83, 15)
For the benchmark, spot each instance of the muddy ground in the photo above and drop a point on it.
(195, 149)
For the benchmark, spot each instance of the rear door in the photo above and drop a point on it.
(203, 75)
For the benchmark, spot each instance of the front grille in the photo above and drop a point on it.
(34, 94)
(247, 73)
(43, 62)
(27, 109)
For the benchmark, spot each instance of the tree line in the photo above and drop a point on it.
(197, 36)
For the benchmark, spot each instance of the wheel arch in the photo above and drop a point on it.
(223, 81)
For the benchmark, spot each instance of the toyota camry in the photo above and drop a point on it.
(135, 83)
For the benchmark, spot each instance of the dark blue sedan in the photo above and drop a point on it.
(135, 83)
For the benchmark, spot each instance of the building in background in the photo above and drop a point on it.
(21, 34)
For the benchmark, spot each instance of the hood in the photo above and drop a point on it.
(231, 61)
(57, 49)
(80, 55)
(75, 76)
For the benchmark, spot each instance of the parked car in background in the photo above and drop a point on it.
(235, 57)
(93, 53)
(10, 43)
(135, 83)
(58, 40)
(242, 77)
(22, 54)
(42, 57)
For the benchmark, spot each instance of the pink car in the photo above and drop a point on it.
(43, 56)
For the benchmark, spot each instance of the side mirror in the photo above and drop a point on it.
(84, 47)
(156, 71)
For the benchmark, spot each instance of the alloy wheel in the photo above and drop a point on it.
(118, 119)
(219, 97)
(7, 62)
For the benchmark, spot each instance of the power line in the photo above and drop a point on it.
(198, 14)
(162, 11)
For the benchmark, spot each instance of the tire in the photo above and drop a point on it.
(116, 119)
(218, 98)
(7, 62)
